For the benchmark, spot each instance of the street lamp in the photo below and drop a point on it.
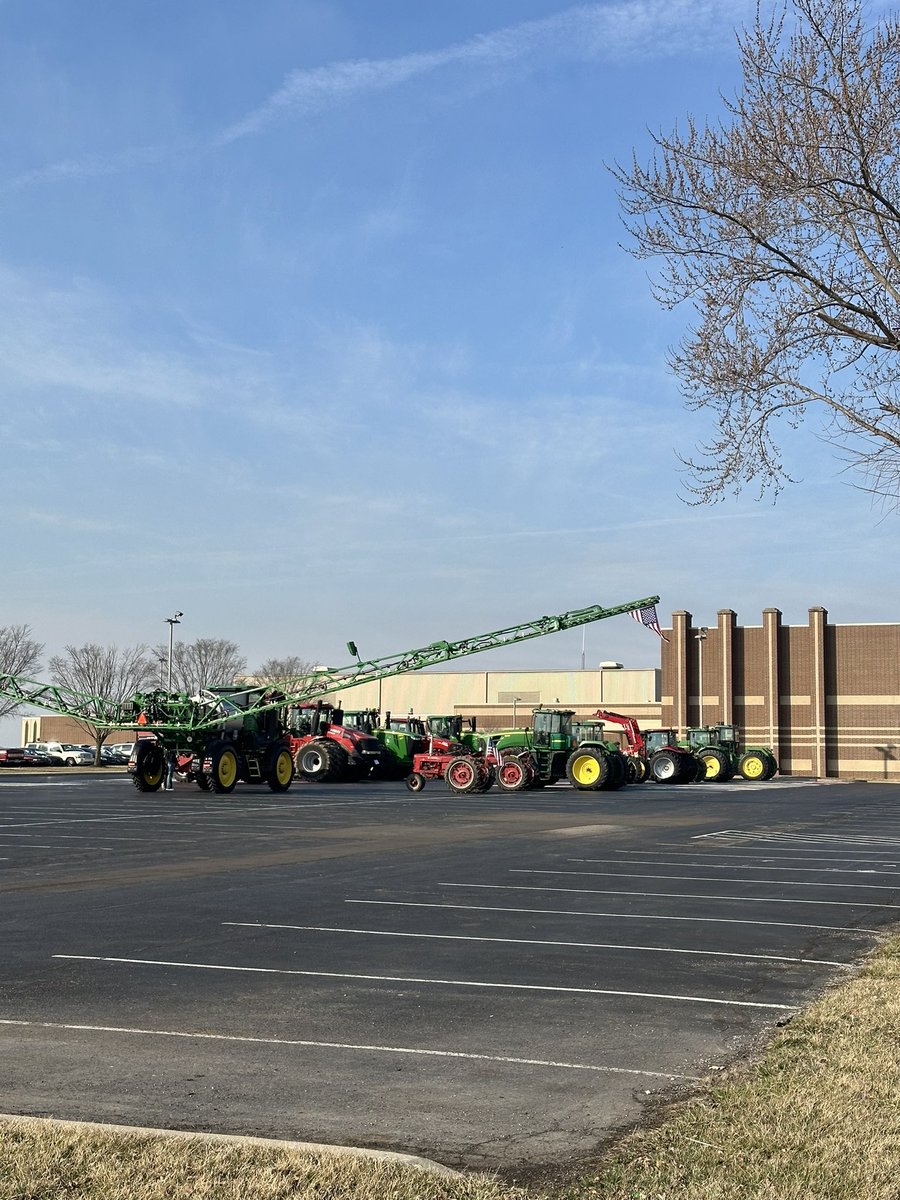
(701, 636)
(172, 622)
(516, 700)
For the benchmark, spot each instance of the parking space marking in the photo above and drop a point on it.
(565, 912)
(870, 887)
(787, 836)
(729, 866)
(419, 1051)
(407, 979)
(517, 887)
(459, 937)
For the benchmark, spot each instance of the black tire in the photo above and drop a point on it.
(617, 776)
(512, 775)
(69, 762)
(587, 768)
(635, 769)
(224, 770)
(415, 782)
(149, 767)
(773, 766)
(462, 774)
(281, 770)
(715, 763)
(665, 767)
(204, 783)
(316, 761)
(487, 777)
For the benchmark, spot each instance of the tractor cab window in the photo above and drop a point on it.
(445, 727)
(550, 728)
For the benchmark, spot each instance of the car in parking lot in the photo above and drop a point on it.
(63, 754)
(18, 756)
(116, 755)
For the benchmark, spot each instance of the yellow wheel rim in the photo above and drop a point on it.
(585, 769)
(153, 777)
(712, 766)
(284, 768)
(754, 767)
(227, 768)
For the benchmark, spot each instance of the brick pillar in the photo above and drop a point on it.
(771, 632)
(818, 619)
(725, 666)
(678, 673)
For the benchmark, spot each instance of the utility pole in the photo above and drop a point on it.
(172, 622)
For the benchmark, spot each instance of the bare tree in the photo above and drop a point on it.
(105, 672)
(279, 671)
(781, 226)
(200, 664)
(20, 654)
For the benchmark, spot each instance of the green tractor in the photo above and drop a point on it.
(401, 737)
(718, 748)
(548, 751)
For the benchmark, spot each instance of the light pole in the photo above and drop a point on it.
(172, 622)
(516, 700)
(701, 636)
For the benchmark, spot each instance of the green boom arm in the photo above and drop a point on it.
(165, 711)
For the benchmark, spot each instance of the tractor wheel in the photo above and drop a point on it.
(487, 777)
(715, 763)
(635, 769)
(691, 768)
(149, 767)
(204, 783)
(753, 765)
(462, 774)
(281, 771)
(415, 782)
(513, 775)
(616, 777)
(665, 767)
(772, 768)
(587, 770)
(224, 773)
(316, 761)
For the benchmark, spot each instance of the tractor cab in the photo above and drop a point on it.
(364, 720)
(587, 731)
(659, 739)
(552, 728)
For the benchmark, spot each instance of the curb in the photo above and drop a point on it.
(408, 1160)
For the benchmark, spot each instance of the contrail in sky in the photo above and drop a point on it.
(618, 31)
(591, 31)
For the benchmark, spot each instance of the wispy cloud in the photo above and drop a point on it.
(593, 31)
(590, 32)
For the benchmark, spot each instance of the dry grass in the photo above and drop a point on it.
(816, 1118)
(47, 1162)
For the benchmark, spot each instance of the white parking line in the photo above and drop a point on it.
(566, 912)
(515, 887)
(406, 979)
(459, 937)
(361, 1046)
(730, 866)
(869, 887)
(815, 839)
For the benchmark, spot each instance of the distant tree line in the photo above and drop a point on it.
(116, 674)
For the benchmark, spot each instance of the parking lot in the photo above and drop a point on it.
(492, 981)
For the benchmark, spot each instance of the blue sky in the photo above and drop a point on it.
(315, 324)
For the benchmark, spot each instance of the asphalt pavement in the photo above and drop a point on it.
(494, 981)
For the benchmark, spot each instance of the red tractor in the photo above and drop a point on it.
(463, 770)
(654, 754)
(324, 750)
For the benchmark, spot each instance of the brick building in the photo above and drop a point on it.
(825, 697)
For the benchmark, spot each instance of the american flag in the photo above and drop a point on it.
(647, 616)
